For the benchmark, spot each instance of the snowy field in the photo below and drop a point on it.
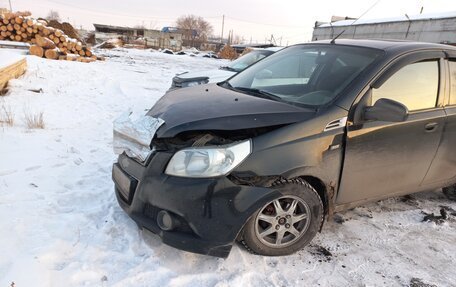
(60, 224)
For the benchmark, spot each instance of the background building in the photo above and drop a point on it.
(149, 38)
(435, 28)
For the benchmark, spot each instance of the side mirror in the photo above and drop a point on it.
(386, 110)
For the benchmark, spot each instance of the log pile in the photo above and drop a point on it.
(45, 41)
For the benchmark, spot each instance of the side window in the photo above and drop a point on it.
(453, 82)
(415, 85)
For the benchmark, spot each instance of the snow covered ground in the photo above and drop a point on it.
(60, 224)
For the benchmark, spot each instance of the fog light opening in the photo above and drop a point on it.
(166, 221)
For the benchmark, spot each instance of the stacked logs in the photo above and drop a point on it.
(45, 41)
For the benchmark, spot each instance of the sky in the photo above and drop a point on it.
(287, 21)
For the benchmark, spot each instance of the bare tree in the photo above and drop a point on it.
(53, 15)
(194, 28)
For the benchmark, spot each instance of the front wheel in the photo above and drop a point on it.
(286, 224)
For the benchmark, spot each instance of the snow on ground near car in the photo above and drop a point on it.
(61, 225)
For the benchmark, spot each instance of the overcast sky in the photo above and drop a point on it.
(290, 21)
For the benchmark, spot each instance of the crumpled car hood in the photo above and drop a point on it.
(210, 107)
(214, 76)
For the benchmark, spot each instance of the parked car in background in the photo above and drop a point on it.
(186, 79)
(264, 157)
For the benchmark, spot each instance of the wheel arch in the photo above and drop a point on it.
(321, 189)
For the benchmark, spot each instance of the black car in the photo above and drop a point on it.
(266, 156)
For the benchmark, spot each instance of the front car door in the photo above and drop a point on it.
(443, 168)
(388, 158)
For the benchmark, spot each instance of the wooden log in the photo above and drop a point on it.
(46, 31)
(10, 27)
(56, 40)
(19, 20)
(12, 71)
(71, 57)
(30, 22)
(58, 32)
(82, 53)
(51, 36)
(5, 21)
(24, 25)
(3, 28)
(63, 39)
(12, 37)
(3, 34)
(44, 42)
(37, 51)
(78, 46)
(17, 27)
(88, 53)
(29, 30)
(33, 41)
(18, 38)
(62, 57)
(52, 54)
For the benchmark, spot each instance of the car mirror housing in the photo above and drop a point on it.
(386, 110)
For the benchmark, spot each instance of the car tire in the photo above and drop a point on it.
(450, 192)
(286, 224)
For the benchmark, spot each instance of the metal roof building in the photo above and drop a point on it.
(434, 28)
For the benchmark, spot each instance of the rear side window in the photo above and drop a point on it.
(415, 85)
(453, 82)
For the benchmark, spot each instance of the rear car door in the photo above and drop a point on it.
(386, 158)
(443, 168)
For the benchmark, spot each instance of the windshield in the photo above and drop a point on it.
(309, 75)
(248, 59)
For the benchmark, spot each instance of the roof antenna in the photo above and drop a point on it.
(333, 41)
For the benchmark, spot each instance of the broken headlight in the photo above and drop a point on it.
(208, 161)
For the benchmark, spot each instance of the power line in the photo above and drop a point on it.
(263, 24)
(110, 14)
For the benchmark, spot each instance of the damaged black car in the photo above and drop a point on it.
(264, 157)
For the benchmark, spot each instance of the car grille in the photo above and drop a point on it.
(151, 211)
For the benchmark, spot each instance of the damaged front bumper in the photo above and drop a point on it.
(208, 213)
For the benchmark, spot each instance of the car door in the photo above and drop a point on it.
(443, 168)
(385, 158)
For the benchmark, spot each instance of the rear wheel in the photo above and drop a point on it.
(450, 192)
(286, 224)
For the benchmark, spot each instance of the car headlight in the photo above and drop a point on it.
(208, 161)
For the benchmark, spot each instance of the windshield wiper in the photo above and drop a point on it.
(228, 69)
(259, 93)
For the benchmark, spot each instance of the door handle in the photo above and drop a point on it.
(430, 127)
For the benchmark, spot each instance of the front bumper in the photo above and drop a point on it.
(211, 212)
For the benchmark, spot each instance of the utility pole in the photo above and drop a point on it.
(11, 7)
(223, 26)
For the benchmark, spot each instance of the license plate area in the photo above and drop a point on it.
(126, 184)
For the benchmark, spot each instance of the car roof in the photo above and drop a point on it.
(387, 45)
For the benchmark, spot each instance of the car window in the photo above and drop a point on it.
(309, 75)
(415, 85)
(248, 59)
(453, 82)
